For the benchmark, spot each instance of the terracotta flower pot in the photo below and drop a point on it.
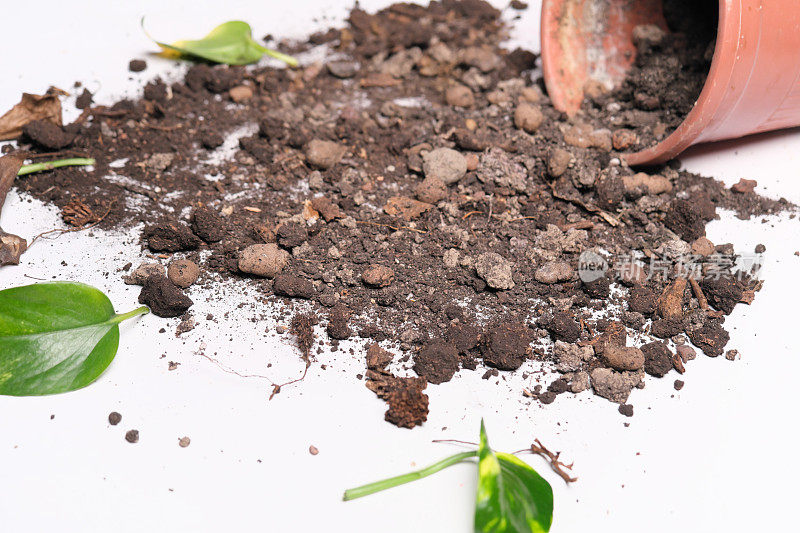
(753, 85)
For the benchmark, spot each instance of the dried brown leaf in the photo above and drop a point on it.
(31, 107)
(11, 248)
(9, 167)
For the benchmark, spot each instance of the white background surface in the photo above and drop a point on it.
(718, 456)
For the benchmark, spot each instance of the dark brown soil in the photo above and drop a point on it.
(657, 359)
(163, 298)
(137, 65)
(302, 328)
(452, 258)
(47, 135)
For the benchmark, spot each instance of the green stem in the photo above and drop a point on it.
(289, 60)
(372, 488)
(50, 165)
(136, 312)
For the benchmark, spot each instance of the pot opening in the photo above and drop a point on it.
(669, 76)
(663, 70)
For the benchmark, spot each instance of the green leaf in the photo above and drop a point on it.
(230, 43)
(512, 497)
(56, 337)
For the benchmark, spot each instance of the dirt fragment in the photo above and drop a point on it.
(338, 327)
(142, 272)
(406, 207)
(208, 224)
(137, 65)
(302, 328)
(615, 386)
(293, 287)
(163, 298)
(47, 135)
(437, 362)
(378, 358)
(495, 270)
(506, 346)
(170, 237)
(624, 358)
(711, 338)
(408, 405)
(658, 359)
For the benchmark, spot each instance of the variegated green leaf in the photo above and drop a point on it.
(512, 497)
(230, 43)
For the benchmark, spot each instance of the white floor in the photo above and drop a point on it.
(718, 456)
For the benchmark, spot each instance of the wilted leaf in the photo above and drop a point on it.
(512, 497)
(230, 43)
(55, 337)
(11, 246)
(9, 167)
(31, 107)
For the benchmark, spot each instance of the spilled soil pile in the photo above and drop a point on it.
(420, 191)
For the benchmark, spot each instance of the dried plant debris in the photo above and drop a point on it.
(11, 246)
(45, 109)
(460, 228)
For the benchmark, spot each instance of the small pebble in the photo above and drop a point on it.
(343, 69)
(183, 273)
(183, 442)
(445, 164)
(240, 93)
(324, 154)
(313, 450)
(264, 260)
(132, 436)
(114, 418)
(378, 276)
(528, 117)
(459, 96)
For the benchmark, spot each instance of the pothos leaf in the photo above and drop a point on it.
(511, 497)
(55, 337)
(230, 43)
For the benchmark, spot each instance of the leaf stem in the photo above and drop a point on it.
(136, 312)
(289, 60)
(50, 165)
(372, 488)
